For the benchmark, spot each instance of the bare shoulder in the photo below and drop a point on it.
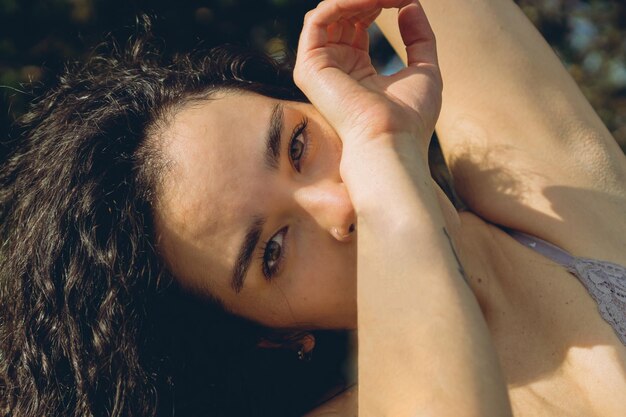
(342, 405)
(525, 148)
(571, 193)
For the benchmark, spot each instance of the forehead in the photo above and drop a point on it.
(213, 189)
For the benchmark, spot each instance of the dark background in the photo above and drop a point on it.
(37, 37)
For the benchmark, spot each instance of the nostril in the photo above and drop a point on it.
(343, 236)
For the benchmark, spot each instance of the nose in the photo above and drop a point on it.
(329, 204)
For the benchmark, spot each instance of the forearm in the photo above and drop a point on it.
(424, 347)
(502, 77)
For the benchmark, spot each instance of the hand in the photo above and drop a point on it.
(334, 70)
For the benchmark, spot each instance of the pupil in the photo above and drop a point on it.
(274, 251)
(298, 150)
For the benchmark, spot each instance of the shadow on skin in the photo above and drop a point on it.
(572, 218)
(549, 310)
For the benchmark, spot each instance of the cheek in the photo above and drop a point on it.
(334, 142)
(329, 303)
(320, 293)
(332, 146)
(267, 306)
(325, 147)
(327, 277)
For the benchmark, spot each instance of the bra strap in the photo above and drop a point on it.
(547, 249)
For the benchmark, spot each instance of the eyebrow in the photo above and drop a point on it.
(255, 229)
(273, 138)
(244, 257)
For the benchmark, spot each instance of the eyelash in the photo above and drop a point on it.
(271, 272)
(300, 130)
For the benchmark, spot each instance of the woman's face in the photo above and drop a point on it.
(249, 209)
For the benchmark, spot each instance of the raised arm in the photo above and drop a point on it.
(523, 144)
(424, 347)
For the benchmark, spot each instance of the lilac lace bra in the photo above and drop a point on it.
(605, 281)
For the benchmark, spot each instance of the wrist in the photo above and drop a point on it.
(389, 172)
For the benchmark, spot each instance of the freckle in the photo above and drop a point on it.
(480, 280)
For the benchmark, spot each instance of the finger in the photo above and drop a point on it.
(329, 88)
(361, 38)
(330, 11)
(347, 33)
(417, 35)
(368, 18)
(334, 32)
(342, 31)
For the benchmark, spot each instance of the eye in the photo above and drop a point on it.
(298, 144)
(273, 253)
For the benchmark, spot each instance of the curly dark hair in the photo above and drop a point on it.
(91, 322)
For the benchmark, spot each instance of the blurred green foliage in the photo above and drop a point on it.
(38, 36)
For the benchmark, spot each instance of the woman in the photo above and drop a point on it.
(455, 317)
